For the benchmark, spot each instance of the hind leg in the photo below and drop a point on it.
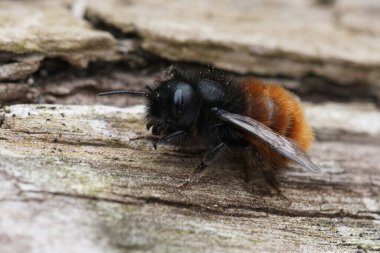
(254, 160)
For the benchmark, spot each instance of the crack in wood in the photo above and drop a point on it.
(136, 200)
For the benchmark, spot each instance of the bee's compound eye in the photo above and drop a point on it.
(178, 98)
(177, 103)
(185, 104)
(182, 98)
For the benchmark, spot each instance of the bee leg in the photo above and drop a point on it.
(250, 162)
(144, 137)
(155, 139)
(255, 160)
(171, 137)
(151, 138)
(247, 172)
(267, 169)
(208, 158)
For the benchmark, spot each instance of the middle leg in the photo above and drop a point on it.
(211, 156)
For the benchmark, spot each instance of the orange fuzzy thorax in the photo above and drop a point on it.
(276, 108)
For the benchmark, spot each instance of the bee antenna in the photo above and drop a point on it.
(129, 92)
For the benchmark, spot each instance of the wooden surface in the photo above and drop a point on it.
(71, 180)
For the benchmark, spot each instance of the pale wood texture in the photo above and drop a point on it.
(71, 180)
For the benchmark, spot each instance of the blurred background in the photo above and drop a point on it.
(66, 51)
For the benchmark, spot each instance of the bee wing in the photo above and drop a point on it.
(281, 144)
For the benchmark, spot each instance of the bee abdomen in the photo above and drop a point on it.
(276, 108)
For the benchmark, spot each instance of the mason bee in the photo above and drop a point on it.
(222, 112)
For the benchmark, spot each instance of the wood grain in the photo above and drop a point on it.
(70, 179)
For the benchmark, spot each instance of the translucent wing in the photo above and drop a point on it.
(281, 144)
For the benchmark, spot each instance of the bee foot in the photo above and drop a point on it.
(151, 138)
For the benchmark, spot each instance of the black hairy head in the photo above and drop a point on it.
(174, 103)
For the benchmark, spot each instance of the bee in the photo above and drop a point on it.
(224, 113)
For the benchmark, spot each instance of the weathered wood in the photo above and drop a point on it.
(71, 181)
(324, 43)
(265, 37)
(255, 37)
(50, 30)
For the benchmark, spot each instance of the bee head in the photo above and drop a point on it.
(174, 103)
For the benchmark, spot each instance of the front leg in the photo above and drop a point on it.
(155, 139)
